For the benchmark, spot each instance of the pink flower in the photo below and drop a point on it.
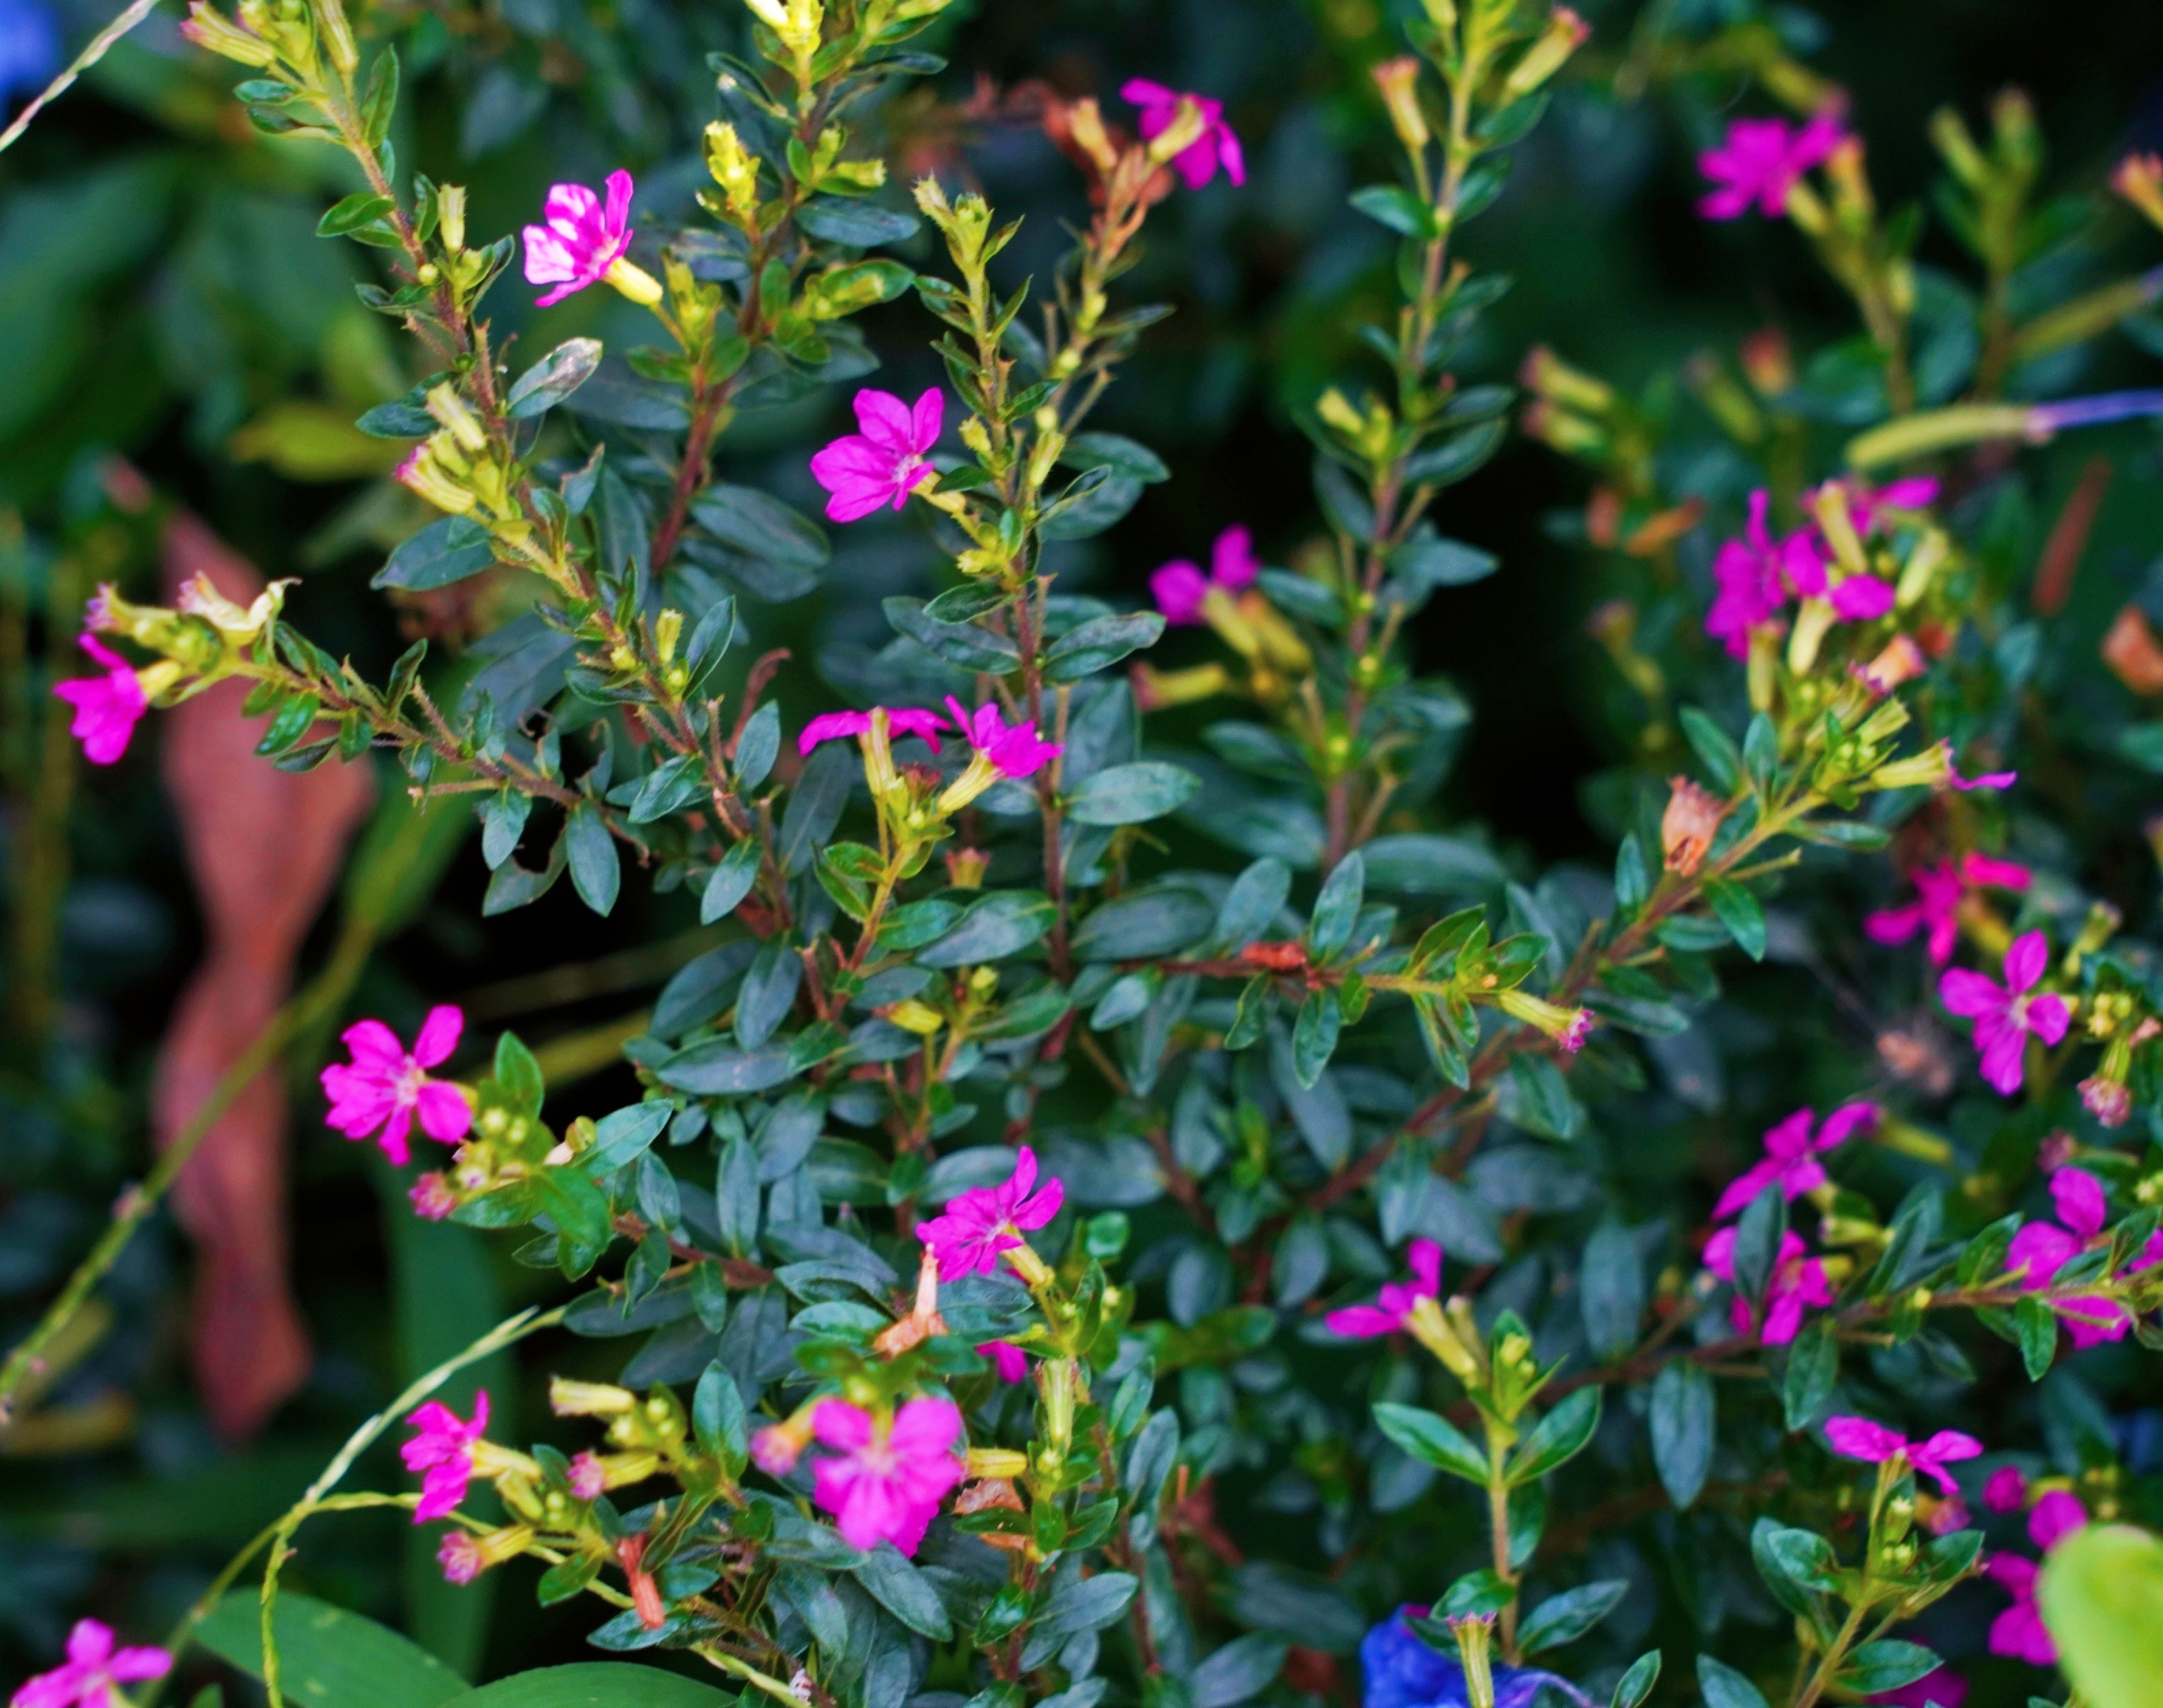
(385, 1086)
(900, 721)
(1006, 1359)
(431, 1197)
(2110, 1101)
(443, 1451)
(106, 709)
(985, 1221)
(2004, 1015)
(460, 1558)
(891, 1475)
(884, 463)
(93, 1670)
(1179, 588)
(1757, 574)
(1868, 506)
(1760, 162)
(1798, 1283)
(775, 1449)
(2020, 1632)
(1858, 1438)
(2007, 1489)
(1791, 1157)
(1199, 161)
(1939, 890)
(1942, 1688)
(581, 239)
(1016, 750)
(2039, 1251)
(1398, 1299)
(1987, 779)
(587, 1479)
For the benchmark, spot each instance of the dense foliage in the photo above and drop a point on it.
(1126, 1189)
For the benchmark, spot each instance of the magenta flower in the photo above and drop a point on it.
(1939, 890)
(588, 1479)
(2007, 1489)
(1791, 1155)
(581, 239)
(2020, 1632)
(884, 462)
(891, 1475)
(1798, 1283)
(1942, 1688)
(442, 1451)
(1014, 749)
(2040, 1250)
(431, 1197)
(1009, 1359)
(1399, 1299)
(1858, 1438)
(2004, 1015)
(93, 1673)
(1760, 162)
(900, 721)
(1180, 588)
(1869, 506)
(460, 1557)
(385, 1086)
(1199, 161)
(1757, 574)
(107, 709)
(985, 1221)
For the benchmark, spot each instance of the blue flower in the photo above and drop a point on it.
(29, 48)
(1403, 1672)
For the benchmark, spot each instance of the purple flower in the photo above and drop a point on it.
(1398, 1299)
(2018, 1631)
(884, 462)
(1760, 162)
(386, 1086)
(2040, 1250)
(985, 1221)
(588, 1476)
(1941, 1689)
(92, 1671)
(1399, 1670)
(2006, 1490)
(1180, 588)
(107, 707)
(1858, 1438)
(891, 1473)
(1798, 1283)
(1939, 890)
(2004, 1015)
(582, 240)
(1009, 1359)
(900, 721)
(1014, 750)
(1199, 161)
(1757, 574)
(442, 1451)
(1791, 1155)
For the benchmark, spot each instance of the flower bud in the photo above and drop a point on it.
(574, 1399)
(208, 28)
(1687, 827)
(735, 169)
(1564, 34)
(1085, 124)
(1398, 79)
(2138, 178)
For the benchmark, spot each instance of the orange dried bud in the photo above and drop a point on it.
(1902, 661)
(993, 1494)
(2138, 178)
(645, 1593)
(1766, 363)
(1662, 528)
(1603, 517)
(2131, 650)
(1276, 957)
(1688, 826)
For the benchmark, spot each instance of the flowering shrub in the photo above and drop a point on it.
(1062, 1129)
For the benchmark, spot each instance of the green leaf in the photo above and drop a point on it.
(1568, 1616)
(1535, 1098)
(2102, 1597)
(361, 208)
(1122, 456)
(1314, 1035)
(1737, 909)
(1131, 795)
(554, 378)
(734, 875)
(717, 1414)
(1082, 513)
(897, 1585)
(2038, 1326)
(448, 549)
(1683, 1419)
(1798, 1565)
(1337, 908)
(1429, 562)
(1813, 1372)
(1610, 1288)
(1457, 455)
(1886, 1664)
(1396, 207)
(1002, 924)
(965, 644)
(1636, 1684)
(1714, 748)
(1725, 1688)
(1100, 643)
(834, 219)
(1433, 1440)
(1557, 1437)
(589, 850)
(329, 1657)
(761, 527)
(1242, 1668)
(378, 105)
(595, 1684)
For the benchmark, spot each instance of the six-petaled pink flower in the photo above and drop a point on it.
(107, 707)
(2006, 1014)
(2018, 1631)
(1009, 1359)
(1798, 1283)
(1014, 750)
(94, 1672)
(985, 1221)
(442, 1452)
(1398, 1299)
(582, 237)
(887, 1476)
(1754, 576)
(2040, 1250)
(900, 721)
(883, 462)
(1180, 588)
(1199, 161)
(1858, 1438)
(387, 1085)
(1791, 1155)
(1760, 162)
(1939, 890)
